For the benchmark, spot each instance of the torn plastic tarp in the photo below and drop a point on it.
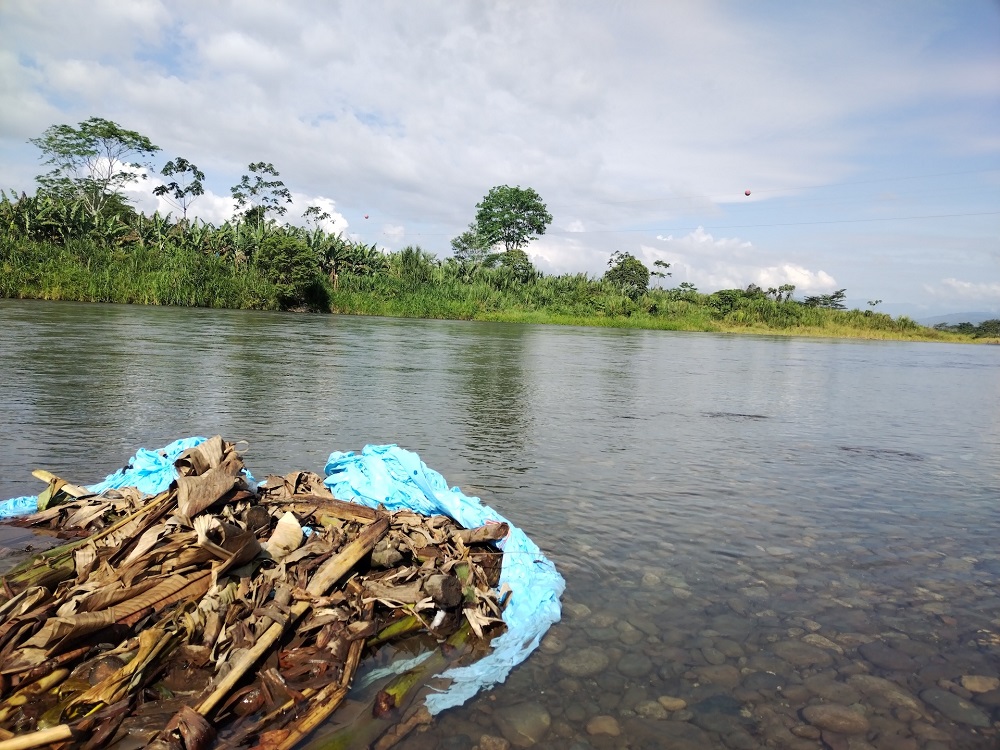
(397, 479)
(150, 472)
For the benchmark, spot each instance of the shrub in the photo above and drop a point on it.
(294, 269)
(629, 273)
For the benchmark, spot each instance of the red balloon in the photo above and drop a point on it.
(746, 192)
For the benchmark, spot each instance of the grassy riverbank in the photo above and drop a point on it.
(274, 268)
(671, 315)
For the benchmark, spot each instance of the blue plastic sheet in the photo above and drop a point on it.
(150, 472)
(398, 480)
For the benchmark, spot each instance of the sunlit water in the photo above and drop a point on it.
(752, 526)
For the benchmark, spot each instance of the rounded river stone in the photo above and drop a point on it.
(885, 656)
(604, 724)
(635, 665)
(955, 708)
(801, 654)
(977, 683)
(523, 724)
(831, 690)
(583, 663)
(835, 718)
(883, 689)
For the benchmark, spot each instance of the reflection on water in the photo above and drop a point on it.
(767, 542)
(494, 392)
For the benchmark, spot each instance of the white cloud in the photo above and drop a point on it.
(729, 262)
(623, 117)
(209, 207)
(336, 224)
(700, 241)
(967, 290)
(803, 279)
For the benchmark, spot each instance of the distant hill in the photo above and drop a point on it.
(955, 318)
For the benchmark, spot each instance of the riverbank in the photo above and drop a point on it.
(413, 284)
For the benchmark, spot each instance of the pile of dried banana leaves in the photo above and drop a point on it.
(216, 615)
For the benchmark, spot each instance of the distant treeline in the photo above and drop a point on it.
(78, 238)
(52, 248)
(988, 329)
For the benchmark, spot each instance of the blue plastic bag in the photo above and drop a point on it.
(397, 479)
(150, 472)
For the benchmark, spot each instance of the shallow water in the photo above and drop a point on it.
(751, 526)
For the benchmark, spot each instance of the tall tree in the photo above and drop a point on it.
(93, 161)
(185, 189)
(258, 196)
(470, 246)
(833, 301)
(512, 216)
(629, 273)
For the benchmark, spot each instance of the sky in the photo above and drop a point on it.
(867, 132)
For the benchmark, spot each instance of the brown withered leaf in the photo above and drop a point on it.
(201, 458)
(196, 493)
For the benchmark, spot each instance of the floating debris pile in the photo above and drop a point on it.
(217, 614)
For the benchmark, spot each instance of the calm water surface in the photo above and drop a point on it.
(750, 526)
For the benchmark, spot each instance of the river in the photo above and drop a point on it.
(748, 526)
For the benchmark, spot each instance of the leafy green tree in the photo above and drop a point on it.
(294, 269)
(470, 246)
(725, 301)
(988, 329)
(512, 216)
(314, 215)
(782, 293)
(518, 265)
(92, 162)
(257, 196)
(185, 189)
(629, 273)
(661, 271)
(833, 301)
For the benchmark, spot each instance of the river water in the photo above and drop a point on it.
(749, 527)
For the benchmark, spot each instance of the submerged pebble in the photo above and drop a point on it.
(584, 662)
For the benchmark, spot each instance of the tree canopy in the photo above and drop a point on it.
(257, 197)
(470, 246)
(834, 301)
(93, 161)
(628, 272)
(511, 216)
(185, 188)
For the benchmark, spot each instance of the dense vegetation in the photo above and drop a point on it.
(55, 250)
(987, 329)
(76, 238)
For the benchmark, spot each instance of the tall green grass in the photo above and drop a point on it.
(411, 283)
(86, 271)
